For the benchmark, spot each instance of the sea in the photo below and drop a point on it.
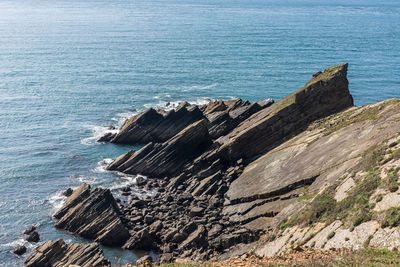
(70, 69)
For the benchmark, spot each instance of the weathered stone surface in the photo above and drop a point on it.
(313, 158)
(92, 213)
(386, 238)
(166, 158)
(57, 253)
(344, 238)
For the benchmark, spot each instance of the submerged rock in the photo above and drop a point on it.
(94, 214)
(33, 237)
(20, 250)
(30, 230)
(56, 253)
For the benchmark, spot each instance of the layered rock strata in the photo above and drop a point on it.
(94, 214)
(56, 253)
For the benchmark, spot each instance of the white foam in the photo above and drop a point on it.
(57, 200)
(97, 132)
(199, 87)
(125, 180)
(170, 105)
(18, 242)
(102, 165)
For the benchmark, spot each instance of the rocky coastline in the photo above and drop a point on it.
(227, 176)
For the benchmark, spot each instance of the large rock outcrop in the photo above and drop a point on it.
(56, 253)
(201, 174)
(94, 214)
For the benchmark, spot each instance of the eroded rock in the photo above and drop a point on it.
(57, 253)
(94, 214)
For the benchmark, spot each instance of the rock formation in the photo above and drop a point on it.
(310, 170)
(94, 214)
(158, 126)
(196, 171)
(57, 253)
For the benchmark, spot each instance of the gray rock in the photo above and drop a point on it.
(94, 214)
(20, 250)
(57, 253)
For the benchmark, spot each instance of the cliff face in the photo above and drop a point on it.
(310, 170)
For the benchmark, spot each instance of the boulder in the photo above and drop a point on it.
(92, 213)
(20, 250)
(30, 230)
(56, 253)
(68, 192)
(33, 237)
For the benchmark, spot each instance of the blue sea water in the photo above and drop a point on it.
(70, 68)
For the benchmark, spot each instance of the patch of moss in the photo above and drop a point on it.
(348, 118)
(392, 180)
(391, 217)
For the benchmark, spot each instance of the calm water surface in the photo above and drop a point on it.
(69, 69)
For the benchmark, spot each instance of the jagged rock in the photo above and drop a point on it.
(152, 126)
(30, 230)
(33, 237)
(57, 253)
(140, 240)
(20, 250)
(92, 213)
(68, 192)
(106, 138)
(146, 260)
(167, 158)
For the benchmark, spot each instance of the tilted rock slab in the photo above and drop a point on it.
(167, 158)
(56, 253)
(92, 213)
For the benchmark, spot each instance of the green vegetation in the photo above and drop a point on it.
(391, 217)
(324, 208)
(392, 180)
(349, 117)
(356, 207)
